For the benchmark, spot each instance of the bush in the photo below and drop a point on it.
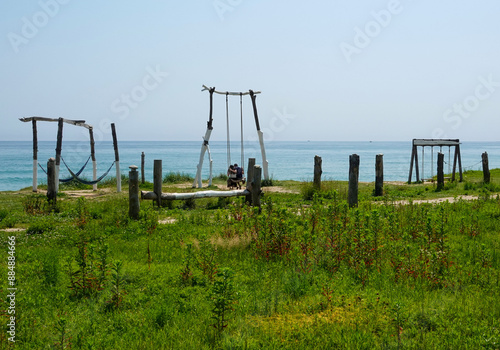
(3, 214)
(39, 227)
(177, 177)
(34, 204)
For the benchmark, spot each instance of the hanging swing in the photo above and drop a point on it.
(205, 146)
(233, 176)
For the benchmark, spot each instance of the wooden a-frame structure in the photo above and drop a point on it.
(435, 143)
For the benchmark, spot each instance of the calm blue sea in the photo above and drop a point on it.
(287, 160)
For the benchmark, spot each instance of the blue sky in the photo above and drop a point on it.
(334, 70)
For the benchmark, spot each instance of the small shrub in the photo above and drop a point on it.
(267, 182)
(50, 269)
(190, 203)
(223, 297)
(3, 214)
(117, 291)
(307, 191)
(177, 177)
(34, 204)
(40, 226)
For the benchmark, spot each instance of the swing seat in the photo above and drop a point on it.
(233, 182)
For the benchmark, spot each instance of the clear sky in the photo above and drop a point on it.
(329, 70)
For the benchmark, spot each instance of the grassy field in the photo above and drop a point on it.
(306, 272)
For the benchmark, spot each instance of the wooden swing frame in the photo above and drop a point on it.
(206, 139)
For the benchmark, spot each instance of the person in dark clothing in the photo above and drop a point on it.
(239, 172)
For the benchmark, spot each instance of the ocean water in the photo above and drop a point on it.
(287, 160)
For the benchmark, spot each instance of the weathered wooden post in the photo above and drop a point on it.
(58, 150)
(143, 179)
(157, 180)
(133, 193)
(256, 186)
(117, 160)
(250, 169)
(317, 172)
(379, 175)
(486, 168)
(353, 180)
(440, 171)
(51, 182)
(92, 155)
(35, 156)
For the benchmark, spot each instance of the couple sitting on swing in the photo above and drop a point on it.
(235, 176)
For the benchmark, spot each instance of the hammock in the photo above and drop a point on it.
(71, 178)
(75, 176)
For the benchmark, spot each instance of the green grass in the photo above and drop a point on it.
(307, 272)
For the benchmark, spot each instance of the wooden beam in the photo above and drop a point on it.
(68, 121)
(194, 195)
(228, 92)
(436, 142)
(117, 159)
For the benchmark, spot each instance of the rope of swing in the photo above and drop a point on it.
(241, 119)
(227, 132)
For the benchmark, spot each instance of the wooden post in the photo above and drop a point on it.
(440, 171)
(35, 156)
(256, 186)
(250, 168)
(58, 150)
(117, 160)
(143, 179)
(353, 180)
(317, 172)
(92, 156)
(379, 175)
(157, 180)
(460, 164)
(133, 193)
(51, 182)
(265, 163)
(486, 168)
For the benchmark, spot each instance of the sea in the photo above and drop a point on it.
(288, 160)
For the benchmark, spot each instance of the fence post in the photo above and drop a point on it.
(143, 178)
(157, 180)
(51, 182)
(317, 172)
(133, 193)
(486, 168)
(256, 186)
(440, 171)
(379, 175)
(251, 164)
(353, 180)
